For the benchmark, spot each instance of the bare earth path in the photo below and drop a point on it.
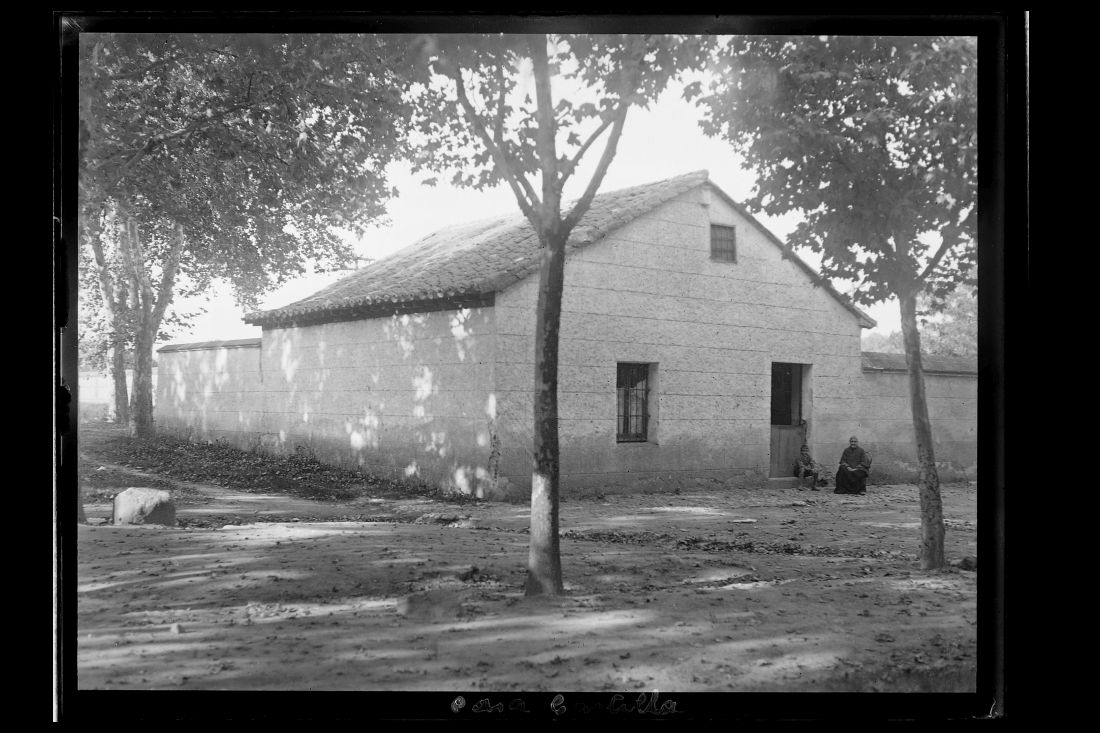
(712, 590)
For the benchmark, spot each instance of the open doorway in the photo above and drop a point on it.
(788, 415)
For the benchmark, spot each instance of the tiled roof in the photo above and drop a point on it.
(882, 361)
(465, 265)
(471, 259)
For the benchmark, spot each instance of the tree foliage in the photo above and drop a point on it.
(874, 141)
(953, 329)
(230, 157)
(886, 343)
(258, 145)
(948, 328)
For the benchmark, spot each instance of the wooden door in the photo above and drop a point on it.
(787, 440)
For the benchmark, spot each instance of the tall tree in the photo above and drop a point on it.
(230, 157)
(874, 139)
(507, 109)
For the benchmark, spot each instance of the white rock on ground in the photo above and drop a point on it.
(144, 506)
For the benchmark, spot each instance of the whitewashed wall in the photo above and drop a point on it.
(887, 424)
(408, 395)
(650, 293)
(401, 396)
(210, 393)
(97, 394)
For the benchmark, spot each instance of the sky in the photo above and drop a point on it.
(657, 143)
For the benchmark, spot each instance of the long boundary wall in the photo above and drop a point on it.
(211, 390)
(886, 424)
(407, 396)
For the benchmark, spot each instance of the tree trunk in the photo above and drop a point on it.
(931, 504)
(544, 557)
(114, 304)
(141, 413)
(150, 308)
(118, 375)
(81, 517)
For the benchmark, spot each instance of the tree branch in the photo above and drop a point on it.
(168, 278)
(152, 143)
(546, 131)
(136, 261)
(498, 133)
(521, 188)
(103, 276)
(571, 166)
(581, 207)
(625, 95)
(944, 247)
(122, 172)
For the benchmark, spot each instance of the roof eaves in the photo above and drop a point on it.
(882, 361)
(373, 308)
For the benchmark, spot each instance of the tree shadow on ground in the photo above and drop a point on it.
(382, 606)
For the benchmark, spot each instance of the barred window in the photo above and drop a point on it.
(723, 243)
(632, 385)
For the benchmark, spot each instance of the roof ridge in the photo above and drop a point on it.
(702, 173)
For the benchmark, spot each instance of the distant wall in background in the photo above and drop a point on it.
(210, 390)
(97, 394)
(886, 422)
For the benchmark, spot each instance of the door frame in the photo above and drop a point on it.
(781, 436)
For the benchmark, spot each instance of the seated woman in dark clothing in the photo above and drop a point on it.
(855, 465)
(805, 466)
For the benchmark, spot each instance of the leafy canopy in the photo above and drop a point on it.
(257, 146)
(874, 139)
(948, 327)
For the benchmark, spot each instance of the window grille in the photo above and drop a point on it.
(632, 386)
(723, 243)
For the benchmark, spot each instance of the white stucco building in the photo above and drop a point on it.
(694, 347)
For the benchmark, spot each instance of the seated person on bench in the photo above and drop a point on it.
(855, 465)
(805, 466)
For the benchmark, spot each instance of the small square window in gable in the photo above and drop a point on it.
(723, 243)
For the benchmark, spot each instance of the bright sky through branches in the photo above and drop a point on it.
(657, 143)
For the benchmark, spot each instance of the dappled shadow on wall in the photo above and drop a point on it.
(410, 395)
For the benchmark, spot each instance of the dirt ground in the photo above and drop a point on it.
(710, 590)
